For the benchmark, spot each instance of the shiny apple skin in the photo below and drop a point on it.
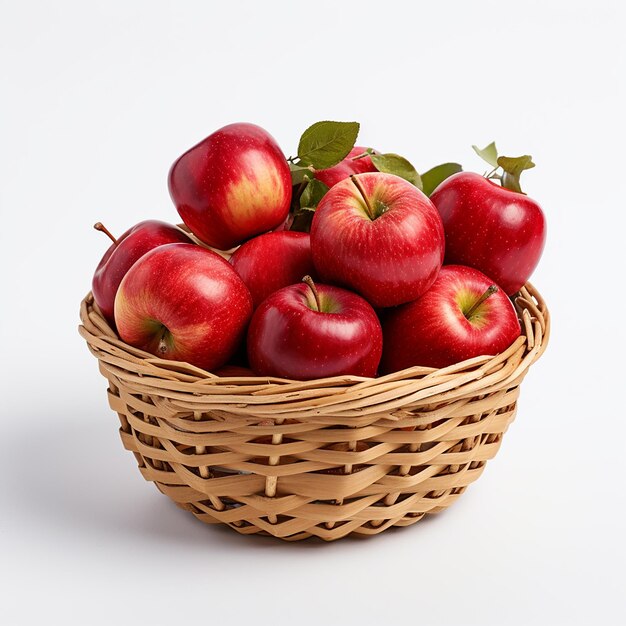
(232, 185)
(272, 261)
(433, 330)
(500, 232)
(390, 260)
(120, 257)
(333, 175)
(190, 293)
(288, 339)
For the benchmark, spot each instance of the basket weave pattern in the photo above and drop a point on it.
(328, 457)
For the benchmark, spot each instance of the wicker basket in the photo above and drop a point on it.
(326, 457)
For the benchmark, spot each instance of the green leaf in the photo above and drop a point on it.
(300, 173)
(395, 164)
(436, 175)
(302, 220)
(488, 153)
(516, 165)
(513, 168)
(312, 194)
(327, 143)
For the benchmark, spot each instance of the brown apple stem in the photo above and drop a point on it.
(357, 184)
(489, 292)
(103, 229)
(311, 285)
(360, 156)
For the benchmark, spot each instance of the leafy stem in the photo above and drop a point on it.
(512, 167)
(296, 196)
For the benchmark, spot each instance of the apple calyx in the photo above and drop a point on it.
(163, 347)
(357, 183)
(103, 229)
(308, 281)
(488, 292)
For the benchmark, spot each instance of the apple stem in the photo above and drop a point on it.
(311, 285)
(357, 184)
(493, 175)
(489, 292)
(361, 156)
(299, 191)
(103, 229)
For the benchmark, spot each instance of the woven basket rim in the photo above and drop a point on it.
(176, 379)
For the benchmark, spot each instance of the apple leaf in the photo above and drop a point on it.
(513, 168)
(436, 175)
(516, 165)
(488, 153)
(302, 220)
(300, 173)
(325, 144)
(312, 194)
(395, 164)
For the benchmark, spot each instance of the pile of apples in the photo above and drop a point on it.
(325, 264)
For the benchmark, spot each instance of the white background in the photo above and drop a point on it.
(98, 98)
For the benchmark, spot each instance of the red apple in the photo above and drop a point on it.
(498, 231)
(461, 316)
(380, 236)
(234, 370)
(308, 331)
(119, 258)
(185, 303)
(272, 261)
(350, 165)
(231, 186)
